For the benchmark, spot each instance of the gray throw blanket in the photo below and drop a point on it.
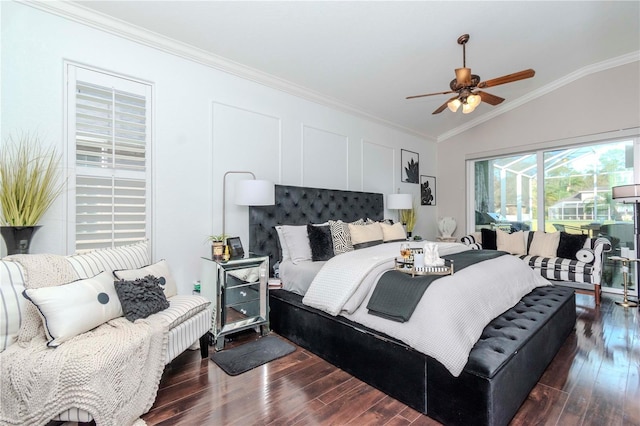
(397, 294)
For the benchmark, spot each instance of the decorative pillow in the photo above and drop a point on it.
(366, 235)
(125, 257)
(392, 233)
(586, 255)
(159, 269)
(297, 242)
(141, 297)
(512, 243)
(544, 244)
(71, 309)
(489, 241)
(11, 302)
(341, 236)
(320, 242)
(283, 244)
(570, 244)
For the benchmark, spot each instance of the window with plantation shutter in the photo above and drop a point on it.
(109, 122)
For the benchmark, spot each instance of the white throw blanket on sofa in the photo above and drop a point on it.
(112, 372)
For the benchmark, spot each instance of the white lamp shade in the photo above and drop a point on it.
(626, 193)
(399, 201)
(255, 192)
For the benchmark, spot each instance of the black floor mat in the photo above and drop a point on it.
(250, 355)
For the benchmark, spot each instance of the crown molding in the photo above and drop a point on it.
(569, 78)
(83, 15)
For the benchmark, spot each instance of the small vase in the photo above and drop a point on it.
(18, 238)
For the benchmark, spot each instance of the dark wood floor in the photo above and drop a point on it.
(594, 380)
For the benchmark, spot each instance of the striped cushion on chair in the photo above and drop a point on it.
(11, 302)
(181, 308)
(557, 268)
(92, 263)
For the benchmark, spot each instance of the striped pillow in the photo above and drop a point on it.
(11, 302)
(90, 264)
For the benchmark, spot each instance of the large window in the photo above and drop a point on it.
(565, 189)
(110, 134)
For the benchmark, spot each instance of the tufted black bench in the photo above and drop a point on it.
(503, 367)
(506, 362)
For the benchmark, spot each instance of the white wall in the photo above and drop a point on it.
(206, 122)
(596, 106)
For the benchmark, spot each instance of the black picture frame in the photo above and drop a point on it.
(235, 247)
(409, 166)
(427, 190)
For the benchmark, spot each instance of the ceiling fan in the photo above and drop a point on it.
(465, 83)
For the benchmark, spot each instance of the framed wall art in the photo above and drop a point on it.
(427, 190)
(409, 167)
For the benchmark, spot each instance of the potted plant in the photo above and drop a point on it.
(217, 245)
(408, 218)
(29, 184)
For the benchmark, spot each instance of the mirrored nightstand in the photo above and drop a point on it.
(238, 290)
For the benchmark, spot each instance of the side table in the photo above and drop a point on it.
(239, 294)
(625, 280)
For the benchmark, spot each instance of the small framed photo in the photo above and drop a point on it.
(427, 190)
(409, 166)
(235, 247)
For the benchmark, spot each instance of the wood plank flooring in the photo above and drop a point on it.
(594, 380)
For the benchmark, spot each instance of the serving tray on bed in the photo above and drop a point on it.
(408, 267)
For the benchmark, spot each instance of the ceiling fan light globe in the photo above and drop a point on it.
(454, 105)
(467, 108)
(474, 101)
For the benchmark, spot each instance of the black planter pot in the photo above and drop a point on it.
(18, 238)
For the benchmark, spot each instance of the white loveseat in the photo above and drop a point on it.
(130, 378)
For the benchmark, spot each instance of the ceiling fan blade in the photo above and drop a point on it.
(443, 106)
(509, 78)
(430, 94)
(489, 98)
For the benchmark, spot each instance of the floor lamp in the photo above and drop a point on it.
(249, 192)
(631, 194)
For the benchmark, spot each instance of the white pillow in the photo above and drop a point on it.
(512, 243)
(297, 240)
(544, 244)
(365, 235)
(283, 244)
(159, 270)
(71, 309)
(11, 302)
(393, 232)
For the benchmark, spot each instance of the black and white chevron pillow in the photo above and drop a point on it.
(341, 236)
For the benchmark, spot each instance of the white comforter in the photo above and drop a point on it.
(451, 315)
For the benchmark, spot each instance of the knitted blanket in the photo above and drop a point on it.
(112, 372)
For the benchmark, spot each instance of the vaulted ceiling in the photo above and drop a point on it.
(366, 57)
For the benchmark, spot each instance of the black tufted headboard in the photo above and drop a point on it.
(298, 206)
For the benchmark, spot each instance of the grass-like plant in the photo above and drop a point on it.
(29, 180)
(409, 217)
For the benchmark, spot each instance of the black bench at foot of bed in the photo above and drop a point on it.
(503, 366)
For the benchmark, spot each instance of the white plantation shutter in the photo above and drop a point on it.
(111, 130)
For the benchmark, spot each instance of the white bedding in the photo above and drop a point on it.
(297, 278)
(451, 315)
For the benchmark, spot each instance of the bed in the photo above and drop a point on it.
(505, 363)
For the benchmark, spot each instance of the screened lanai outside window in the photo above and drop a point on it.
(575, 196)
(506, 191)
